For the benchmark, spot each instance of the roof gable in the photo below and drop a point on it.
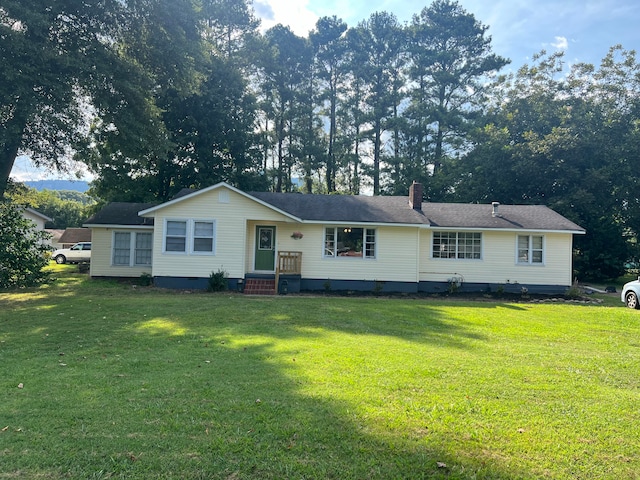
(186, 194)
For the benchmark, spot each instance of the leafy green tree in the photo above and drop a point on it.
(23, 252)
(61, 62)
(566, 141)
(65, 208)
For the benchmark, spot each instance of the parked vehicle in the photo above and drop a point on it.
(631, 294)
(79, 253)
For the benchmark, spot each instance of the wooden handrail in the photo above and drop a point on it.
(288, 263)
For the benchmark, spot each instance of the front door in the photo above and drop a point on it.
(265, 248)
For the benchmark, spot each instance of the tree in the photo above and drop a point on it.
(55, 62)
(22, 249)
(451, 60)
(285, 66)
(381, 41)
(566, 141)
(329, 51)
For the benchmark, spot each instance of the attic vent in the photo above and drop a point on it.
(495, 206)
(223, 196)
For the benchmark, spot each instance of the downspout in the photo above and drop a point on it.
(418, 230)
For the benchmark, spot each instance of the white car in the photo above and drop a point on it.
(631, 294)
(79, 253)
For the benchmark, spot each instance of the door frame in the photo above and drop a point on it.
(258, 247)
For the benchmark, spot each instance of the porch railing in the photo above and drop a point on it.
(288, 263)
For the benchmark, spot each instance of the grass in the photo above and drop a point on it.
(139, 383)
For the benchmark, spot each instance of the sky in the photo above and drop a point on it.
(583, 29)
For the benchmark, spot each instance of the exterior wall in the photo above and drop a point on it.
(396, 249)
(230, 234)
(101, 251)
(37, 220)
(403, 254)
(498, 265)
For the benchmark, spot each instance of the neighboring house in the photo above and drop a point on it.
(334, 242)
(71, 236)
(39, 219)
(55, 238)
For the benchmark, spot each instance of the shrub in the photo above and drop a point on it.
(218, 281)
(23, 250)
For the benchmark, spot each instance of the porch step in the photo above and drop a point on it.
(260, 286)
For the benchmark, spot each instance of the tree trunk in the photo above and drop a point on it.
(376, 158)
(14, 129)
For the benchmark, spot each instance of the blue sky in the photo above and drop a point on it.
(584, 29)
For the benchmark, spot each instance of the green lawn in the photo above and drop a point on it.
(104, 380)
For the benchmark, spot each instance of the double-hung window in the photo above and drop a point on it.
(175, 239)
(132, 249)
(530, 249)
(203, 237)
(460, 245)
(193, 237)
(348, 241)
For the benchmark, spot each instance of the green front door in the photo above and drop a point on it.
(265, 248)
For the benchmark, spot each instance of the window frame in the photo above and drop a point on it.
(194, 237)
(190, 236)
(369, 242)
(132, 249)
(165, 236)
(460, 247)
(531, 250)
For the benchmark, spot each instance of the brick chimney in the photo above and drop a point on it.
(415, 196)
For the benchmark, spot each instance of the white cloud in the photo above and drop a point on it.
(296, 15)
(561, 43)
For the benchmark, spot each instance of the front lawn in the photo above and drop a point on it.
(104, 380)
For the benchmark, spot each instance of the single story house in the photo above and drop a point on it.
(301, 242)
(71, 236)
(56, 234)
(37, 218)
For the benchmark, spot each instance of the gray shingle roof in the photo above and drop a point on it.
(374, 210)
(344, 208)
(527, 217)
(390, 210)
(121, 213)
(75, 235)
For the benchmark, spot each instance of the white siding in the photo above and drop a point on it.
(498, 264)
(395, 260)
(36, 219)
(101, 251)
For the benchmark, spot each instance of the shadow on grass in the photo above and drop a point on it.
(129, 383)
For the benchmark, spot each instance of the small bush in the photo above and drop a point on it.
(145, 280)
(218, 281)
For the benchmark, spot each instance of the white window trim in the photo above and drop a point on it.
(364, 243)
(190, 236)
(164, 236)
(132, 249)
(456, 259)
(530, 261)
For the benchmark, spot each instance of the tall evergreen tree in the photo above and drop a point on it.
(451, 60)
